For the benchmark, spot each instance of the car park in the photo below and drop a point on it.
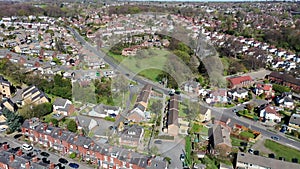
(27, 147)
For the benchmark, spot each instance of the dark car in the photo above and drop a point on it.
(157, 142)
(37, 151)
(74, 165)
(45, 160)
(63, 161)
(45, 154)
(271, 155)
(60, 166)
(18, 136)
(256, 152)
(275, 138)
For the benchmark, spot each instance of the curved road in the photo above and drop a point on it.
(218, 113)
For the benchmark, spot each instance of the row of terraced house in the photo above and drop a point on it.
(102, 155)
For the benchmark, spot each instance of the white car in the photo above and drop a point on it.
(27, 147)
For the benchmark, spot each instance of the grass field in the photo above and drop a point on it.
(150, 66)
(247, 134)
(151, 74)
(282, 151)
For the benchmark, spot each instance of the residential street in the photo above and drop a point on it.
(53, 156)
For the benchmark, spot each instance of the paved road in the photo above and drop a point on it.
(234, 119)
(218, 113)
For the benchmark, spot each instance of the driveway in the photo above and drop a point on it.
(172, 149)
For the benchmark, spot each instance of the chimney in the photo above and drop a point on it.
(149, 162)
(35, 159)
(45, 126)
(5, 146)
(19, 152)
(27, 165)
(75, 138)
(92, 144)
(60, 132)
(30, 123)
(110, 149)
(52, 166)
(11, 158)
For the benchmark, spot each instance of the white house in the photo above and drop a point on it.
(238, 93)
(270, 114)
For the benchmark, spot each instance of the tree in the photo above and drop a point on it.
(156, 107)
(13, 120)
(54, 122)
(42, 109)
(72, 126)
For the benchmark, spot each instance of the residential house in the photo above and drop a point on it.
(285, 80)
(102, 155)
(269, 113)
(86, 123)
(5, 87)
(8, 104)
(251, 161)
(10, 160)
(32, 95)
(103, 111)
(220, 139)
(192, 87)
(172, 125)
(63, 106)
(131, 135)
(285, 101)
(294, 123)
(238, 93)
(217, 96)
(266, 89)
(204, 114)
(240, 81)
(138, 113)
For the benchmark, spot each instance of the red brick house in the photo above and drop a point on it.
(285, 80)
(103, 156)
(240, 81)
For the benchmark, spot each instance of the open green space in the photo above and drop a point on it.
(281, 150)
(149, 66)
(151, 74)
(198, 128)
(247, 134)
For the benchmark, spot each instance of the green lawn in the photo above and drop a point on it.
(236, 141)
(182, 109)
(282, 151)
(150, 66)
(151, 74)
(198, 128)
(247, 134)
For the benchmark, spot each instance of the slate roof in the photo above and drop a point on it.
(60, 102)
(295, 119)
(265, 162)
(285, 77)
(220, 134)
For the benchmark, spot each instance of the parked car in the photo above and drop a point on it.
(27, 147)
(63, 161)
(45, 154)
(182, 157)
(74, 165)
(251, 151)
(157, 142)
(275, 138)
